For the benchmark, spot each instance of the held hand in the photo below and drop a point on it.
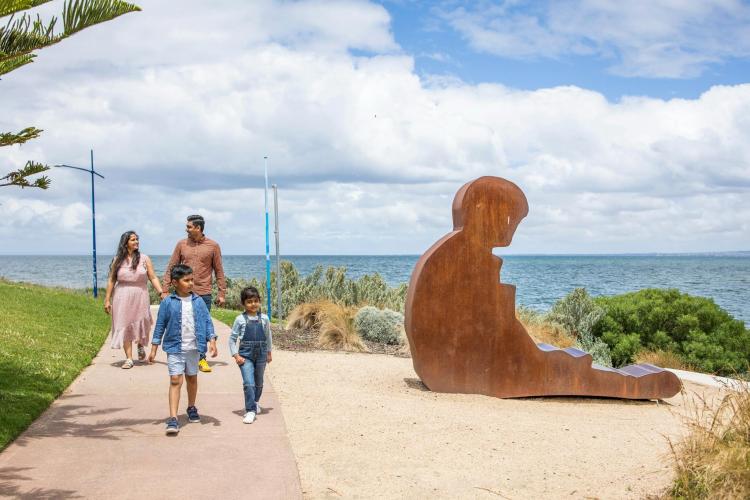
(107, 307)
(269, 358)
(212, 349)
(164, 295)
(239, 359)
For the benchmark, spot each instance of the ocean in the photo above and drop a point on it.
(540, 279)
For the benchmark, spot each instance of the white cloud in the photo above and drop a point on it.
(367, 155)
(658, 39)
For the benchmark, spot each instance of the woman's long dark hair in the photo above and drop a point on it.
(122, 254)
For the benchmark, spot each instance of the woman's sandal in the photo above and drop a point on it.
(128, 364)
(141, 353)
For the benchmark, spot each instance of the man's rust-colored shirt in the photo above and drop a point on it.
(205, 259)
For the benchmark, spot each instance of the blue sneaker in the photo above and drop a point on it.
(193, 416)
(173, 427)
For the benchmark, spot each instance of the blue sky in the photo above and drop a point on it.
(626, 124)
(424, 30)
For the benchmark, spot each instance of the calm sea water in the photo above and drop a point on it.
(540, 280)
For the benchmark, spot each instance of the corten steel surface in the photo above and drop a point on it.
(461, 323)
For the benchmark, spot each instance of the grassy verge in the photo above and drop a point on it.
(713, 461)
(47, 336)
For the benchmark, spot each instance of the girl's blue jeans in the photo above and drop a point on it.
(255, 354)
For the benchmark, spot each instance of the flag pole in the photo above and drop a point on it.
(268, 245)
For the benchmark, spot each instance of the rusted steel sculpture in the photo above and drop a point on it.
(461, 322)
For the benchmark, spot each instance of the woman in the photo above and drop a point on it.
(131, 314)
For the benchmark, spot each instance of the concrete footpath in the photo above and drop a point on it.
(104, 438)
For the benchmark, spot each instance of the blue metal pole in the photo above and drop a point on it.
(93, 224)
(268, 246)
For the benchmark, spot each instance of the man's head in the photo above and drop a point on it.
(182, 277)
(194, 227)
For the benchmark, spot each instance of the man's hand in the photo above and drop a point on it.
(220, 301)
(212, 348)
(269, 358)
(239, 359)
(152, 354)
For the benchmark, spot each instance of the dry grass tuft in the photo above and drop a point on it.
(304, 316)
(664, 359)
(713, 461)
(333, 322)
(544, 331)
(336, 325)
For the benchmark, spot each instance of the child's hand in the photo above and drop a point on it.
(239, 359)
(269, 358)
(152, 354)
(212, 348)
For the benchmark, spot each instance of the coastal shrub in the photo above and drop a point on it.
(329, 284)
(380, 325)
(713, 460)
(664, 359)
(577, 313)
(701, 333)
(542, 330)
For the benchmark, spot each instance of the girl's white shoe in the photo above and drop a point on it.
(249, 417)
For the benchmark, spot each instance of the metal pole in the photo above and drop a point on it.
(268, 245)
(278, 262)
(93, 224)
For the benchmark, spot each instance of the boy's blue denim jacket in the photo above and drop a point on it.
(169, 324)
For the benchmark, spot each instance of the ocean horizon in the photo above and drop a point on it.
(540, 279)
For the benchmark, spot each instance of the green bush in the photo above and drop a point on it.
(695, 328)
(383, 326)
(577, 312)
(321, 284)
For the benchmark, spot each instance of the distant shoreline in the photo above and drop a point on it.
(737, 253)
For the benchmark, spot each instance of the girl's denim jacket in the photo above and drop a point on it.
(238, 330)
(169, 324)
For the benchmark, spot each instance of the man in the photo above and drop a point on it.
(204, 256)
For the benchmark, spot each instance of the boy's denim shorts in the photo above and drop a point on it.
(183, 362)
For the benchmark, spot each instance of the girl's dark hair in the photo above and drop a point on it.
(249, 293)
(180, 271)
(122, 254)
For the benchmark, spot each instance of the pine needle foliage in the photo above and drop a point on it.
(23, 35)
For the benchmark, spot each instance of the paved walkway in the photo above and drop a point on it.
(104, 438)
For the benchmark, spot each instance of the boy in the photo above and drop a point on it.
(185, 325)
(250, 345)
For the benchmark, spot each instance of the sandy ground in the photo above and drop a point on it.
(363, 426)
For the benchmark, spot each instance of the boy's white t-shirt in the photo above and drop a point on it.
(189, 342)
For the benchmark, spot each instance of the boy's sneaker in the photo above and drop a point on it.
(258, 409)
(193, 416)
(172, 426)
(203, 366)
(249, 417)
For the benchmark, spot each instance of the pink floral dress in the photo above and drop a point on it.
(131, 313)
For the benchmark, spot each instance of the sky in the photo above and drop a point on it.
(626, 124)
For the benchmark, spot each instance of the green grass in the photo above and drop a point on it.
(226, 316)
(47, 336)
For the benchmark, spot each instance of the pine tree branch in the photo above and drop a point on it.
(8, 7)
(80, 14)
(7, 138)
(24, 35)
(19, 177)
(9, 65)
